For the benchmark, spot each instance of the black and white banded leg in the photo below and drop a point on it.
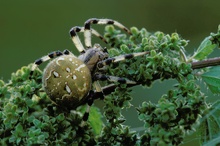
(46, 58)
(73, 33)
(90, 98)
(89, 104)
(108, 61)
(98, 93)
(87, 27)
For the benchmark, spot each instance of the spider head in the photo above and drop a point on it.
(92, 56)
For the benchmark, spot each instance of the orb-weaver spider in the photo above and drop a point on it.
(68, 80)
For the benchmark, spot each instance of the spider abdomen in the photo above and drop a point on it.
(67, 81)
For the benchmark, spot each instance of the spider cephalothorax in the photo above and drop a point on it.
(71, 81)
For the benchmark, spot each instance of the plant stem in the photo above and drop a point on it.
(195, 65)
(206, 63)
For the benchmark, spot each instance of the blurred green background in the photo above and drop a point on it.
(31, 29)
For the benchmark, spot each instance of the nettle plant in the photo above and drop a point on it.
(29, 115)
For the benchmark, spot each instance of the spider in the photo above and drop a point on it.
(71, 81)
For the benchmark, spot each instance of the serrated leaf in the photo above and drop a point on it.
(95, 119)
(209, 128)
(205, 48)
(212, 79)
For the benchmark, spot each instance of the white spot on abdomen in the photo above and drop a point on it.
(74, 77)
(67, 88)
(56, 74)
(68, 69)
(84, 85)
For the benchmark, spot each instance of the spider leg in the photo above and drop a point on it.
(87, 32)
(108, 61)
(78, 29)
(90, 98)
(46, 58)
(86, 114)
(76, 40)
(100, 92)
(102, 77)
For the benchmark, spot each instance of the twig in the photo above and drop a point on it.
(195, 65)
(206, 63)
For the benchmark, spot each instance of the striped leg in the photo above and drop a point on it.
(76, 40)
(46, 58)
(99, 92)
(86, 114)
(90, 98)
(102, 77)
(108, 61)
(87, 32)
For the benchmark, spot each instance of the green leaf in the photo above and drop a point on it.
(95, 119)
(212, 79)
(61, 117)
(36, 122)
(205, 48)
(209, 128)
(125, 49)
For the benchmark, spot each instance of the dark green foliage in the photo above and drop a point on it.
(28, 117)
(176, 112)
(210, 125)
